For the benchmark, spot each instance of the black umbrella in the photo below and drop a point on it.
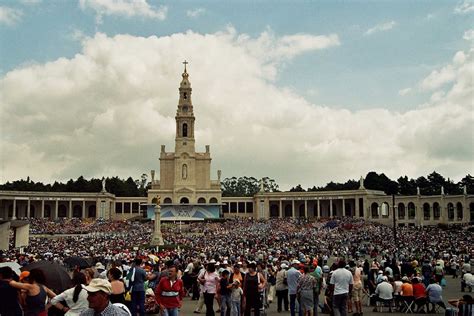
(57, 278)
(75, 261)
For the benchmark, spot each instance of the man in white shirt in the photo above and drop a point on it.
(341, 285)
(384, 292)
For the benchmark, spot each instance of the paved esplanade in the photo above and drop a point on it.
(451, 291)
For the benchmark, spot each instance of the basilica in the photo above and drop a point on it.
(186, 191)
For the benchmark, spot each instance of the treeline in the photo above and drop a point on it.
(115, 185)
(429, 185)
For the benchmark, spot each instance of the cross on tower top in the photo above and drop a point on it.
(185, 63)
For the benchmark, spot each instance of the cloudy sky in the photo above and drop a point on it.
(302, 92)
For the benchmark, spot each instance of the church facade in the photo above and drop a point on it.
(185, 188)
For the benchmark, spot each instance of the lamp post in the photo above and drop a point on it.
(394, 221)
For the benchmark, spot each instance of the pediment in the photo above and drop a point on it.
(184, 190)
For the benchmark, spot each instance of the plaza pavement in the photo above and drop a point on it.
(451, 291)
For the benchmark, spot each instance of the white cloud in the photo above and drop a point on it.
(464, 7)
(430, 16)
(126, 8)
(469, 35)
(404, 92)
(10, 16)
(381, 27)
(107, 110)
(438, 78)
(195, 13)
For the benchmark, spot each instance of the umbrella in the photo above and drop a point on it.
(76, 262)
(13, 265)
(57, 278)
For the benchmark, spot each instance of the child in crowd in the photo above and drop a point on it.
(236, 298)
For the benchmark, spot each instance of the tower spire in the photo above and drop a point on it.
(185, 63)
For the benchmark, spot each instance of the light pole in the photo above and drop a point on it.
(394, 221)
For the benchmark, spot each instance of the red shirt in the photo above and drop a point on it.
(169, 295)
(419, 290)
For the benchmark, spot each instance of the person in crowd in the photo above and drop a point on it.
(293, 276)
(384, 292)
(236, 298)
(357, 289)
(305, 292)
(341, 284)
(9, 303)
(98, 296)
(118, 287)
(282, 288)
(224, 291)
(36, 293)
(419, 294)
(169, 293)
(74, 300)
(254, 284)
(464, 305)
(434, 293)
(138, 276)
(209, 280)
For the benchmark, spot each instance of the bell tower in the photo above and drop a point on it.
(184, 141)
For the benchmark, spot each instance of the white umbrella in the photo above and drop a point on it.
(13, 265)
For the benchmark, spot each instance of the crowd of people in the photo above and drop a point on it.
(246, 264)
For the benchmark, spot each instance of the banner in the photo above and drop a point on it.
(185, 212)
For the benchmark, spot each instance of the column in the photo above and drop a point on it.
(14, 209)
(330, 208)
(123, 208)
(83, 208)
(306, 208)
(356, 205)
(293, 208)
(56, 206)
(69, 211)
(281, 210)
(42, 208)
(318, 209)
(343, 208)
(28, 209)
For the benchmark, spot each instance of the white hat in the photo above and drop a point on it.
(225, 262)
(295, 261)
(99, 265)
(384, 278)
(212, 261)
(284, 266)
(99, 285)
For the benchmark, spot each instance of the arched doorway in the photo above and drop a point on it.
(301, 212)
(288, 211)
(202, 200)
(411, 210)
(426, 211)
(436, 211)
(184, 200)
(274, 211)
(401, 211)
(450, 212)
(77, 211)
(167, 201)
(92, 211)
(62, 211)
(32, 211)
(459, 211)
(374, 210)
(47, 211)
(213, 200)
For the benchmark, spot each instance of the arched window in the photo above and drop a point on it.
(426, 211)
(459, 210)
(288, 211)
(401, 210)
(202, 200)
(154, 200)
(374, 209)
(436, 211)
(274, 210)
(450, 211)
(213, 200)
(184, 200)
(167, 200)
(411, 210)
(185, 130)
(384, 209)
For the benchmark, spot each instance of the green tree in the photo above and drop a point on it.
(298, 188)
(246, 186)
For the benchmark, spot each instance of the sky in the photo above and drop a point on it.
(304, 92)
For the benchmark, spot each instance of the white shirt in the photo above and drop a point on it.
(341, 279)
(74, 308)
(384, 290)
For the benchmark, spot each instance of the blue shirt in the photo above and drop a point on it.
(293, 276)
(138, 285)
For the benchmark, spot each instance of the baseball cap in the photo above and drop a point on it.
(99, 285)
(24, 275)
